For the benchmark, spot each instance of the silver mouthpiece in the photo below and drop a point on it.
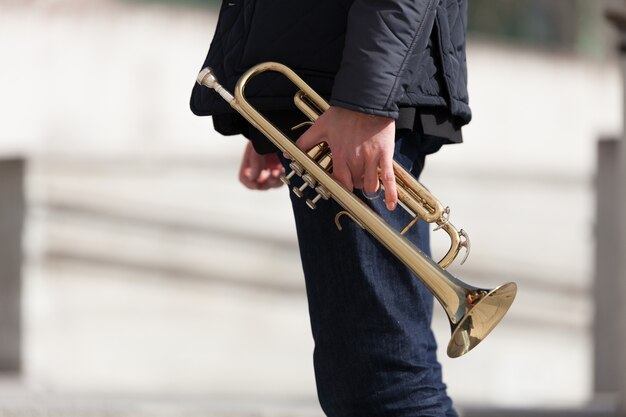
(207, 78)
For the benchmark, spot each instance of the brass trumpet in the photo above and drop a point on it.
(473, 312)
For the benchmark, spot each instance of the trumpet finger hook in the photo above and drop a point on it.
(344, 212)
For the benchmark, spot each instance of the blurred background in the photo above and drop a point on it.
(137, 277)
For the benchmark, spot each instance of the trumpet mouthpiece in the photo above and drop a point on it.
(207, 78)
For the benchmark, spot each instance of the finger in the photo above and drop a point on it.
(342, 174)
(309, 139)
(244, 169)
(356, 167)
(273, 164)
(277, 172)
(274, 183)
(250, 163)
(263, 176)
(270, 183)
(370, 177)
(357, 183)
(389, 181)
(252, 185)
(251, 167)
(255, 166)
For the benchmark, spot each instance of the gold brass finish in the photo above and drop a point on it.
(473, 312)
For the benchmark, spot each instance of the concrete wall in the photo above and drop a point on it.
(150, 270)
(11, 221)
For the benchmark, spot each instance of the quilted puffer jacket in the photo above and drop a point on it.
(373, 56)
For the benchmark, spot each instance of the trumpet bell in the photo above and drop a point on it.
(481, 318)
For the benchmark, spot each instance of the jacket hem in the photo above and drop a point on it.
(366, 110)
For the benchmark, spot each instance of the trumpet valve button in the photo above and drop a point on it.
(287, 179)
(312, 203)
(323, 192)
(308, 178)
(297, 168)
(299, 191)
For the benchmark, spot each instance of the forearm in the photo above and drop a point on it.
(383, 42)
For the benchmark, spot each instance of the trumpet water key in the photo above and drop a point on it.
(472, 312)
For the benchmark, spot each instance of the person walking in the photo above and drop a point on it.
(394, 72)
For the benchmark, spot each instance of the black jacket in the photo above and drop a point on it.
(373, 56)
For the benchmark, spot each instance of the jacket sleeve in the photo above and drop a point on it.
(384, 40)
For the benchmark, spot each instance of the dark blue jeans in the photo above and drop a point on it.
(375, 354)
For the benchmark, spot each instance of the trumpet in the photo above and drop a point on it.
(472, 312)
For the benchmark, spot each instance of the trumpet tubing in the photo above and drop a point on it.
(472, 312)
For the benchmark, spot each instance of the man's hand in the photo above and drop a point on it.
(260, 172)
(362, 147)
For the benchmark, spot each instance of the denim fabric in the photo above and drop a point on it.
(375, 354)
